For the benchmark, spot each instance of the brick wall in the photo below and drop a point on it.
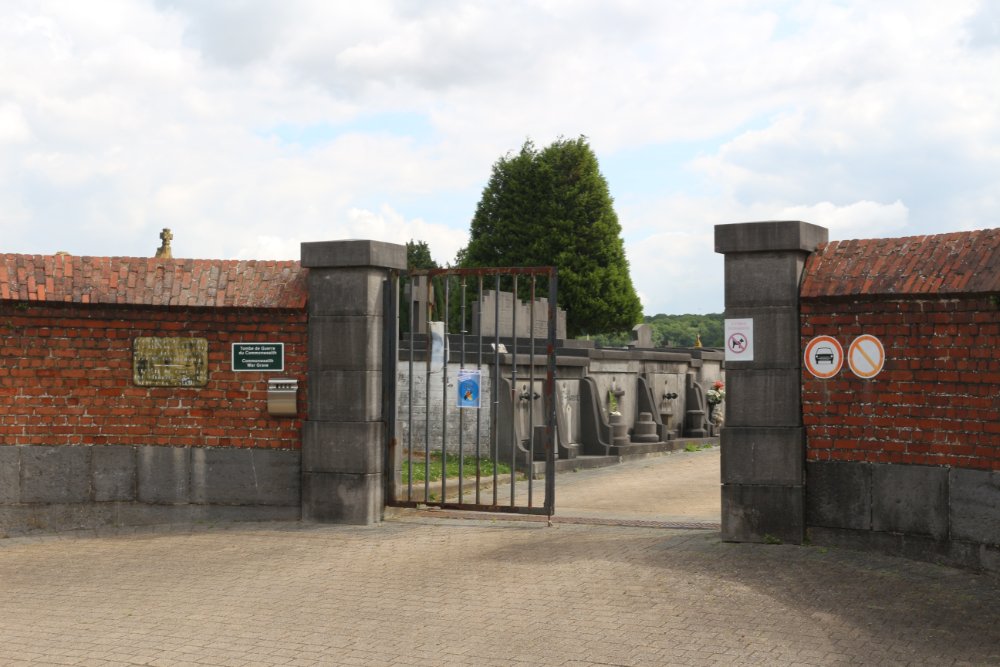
(67, 326)
(908, 461)
(937, 400)
(932, 303)
(83, 444)
(66, 377)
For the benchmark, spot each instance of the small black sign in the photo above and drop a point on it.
(258, 356)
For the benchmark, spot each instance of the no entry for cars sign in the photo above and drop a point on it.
(824, 357)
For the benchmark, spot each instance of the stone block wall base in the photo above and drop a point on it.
(46, 488)
(333, 497)
(28, 519)
(956, 553)
(766, 514)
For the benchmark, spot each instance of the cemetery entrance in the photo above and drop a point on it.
(474, 389)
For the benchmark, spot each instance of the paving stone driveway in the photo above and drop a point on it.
(427, 591)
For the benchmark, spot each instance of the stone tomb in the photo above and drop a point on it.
(667, 396)
(528, 324)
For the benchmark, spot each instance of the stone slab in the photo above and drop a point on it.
(763, 455)
(345, 292)
(838, 494)
(55, 474)
(344, 447)
(203, 514)
(10, 474)
(54, 517)
(93, 517)
(776, 338)
(164, 475)
(351, 396)
(342, 498)
(226, 476)
(345, 343)
(763, 398)
(915, 547)
(752, 513)
(793, 235)
(910, 499)
(974, 505)
(114, 473)
(762, 279)
(350, 253)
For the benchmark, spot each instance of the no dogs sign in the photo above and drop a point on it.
(739, 340)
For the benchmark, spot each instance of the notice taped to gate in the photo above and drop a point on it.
(468, 388)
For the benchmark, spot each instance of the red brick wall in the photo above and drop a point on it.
(66, 377)
(937, 400)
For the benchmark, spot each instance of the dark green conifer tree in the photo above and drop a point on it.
(553, 207)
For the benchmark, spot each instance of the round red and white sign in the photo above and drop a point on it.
(866, 356)
(824, 357)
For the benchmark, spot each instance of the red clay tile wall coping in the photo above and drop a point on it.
(935, 265)
(153, 281)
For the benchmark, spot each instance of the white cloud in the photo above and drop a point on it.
(389, 225)
(673, 260)
(126, 116)
(863, 219)
(677, 273)
(13, 127)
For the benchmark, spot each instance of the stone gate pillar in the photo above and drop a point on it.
(763, 440)
(343, 438)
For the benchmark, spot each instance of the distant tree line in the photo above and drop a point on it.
(674, 331)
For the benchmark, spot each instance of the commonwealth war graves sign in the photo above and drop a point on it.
(258, 356)
(170, 362)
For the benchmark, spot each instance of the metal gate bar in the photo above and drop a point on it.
(438, 300)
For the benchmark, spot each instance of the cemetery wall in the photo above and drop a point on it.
(908, 460)
(667, 372)
(85, 439)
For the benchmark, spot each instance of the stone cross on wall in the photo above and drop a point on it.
(164, 250)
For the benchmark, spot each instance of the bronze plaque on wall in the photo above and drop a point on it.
(170, 362)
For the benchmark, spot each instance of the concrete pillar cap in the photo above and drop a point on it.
(353, 253)
(770, 236)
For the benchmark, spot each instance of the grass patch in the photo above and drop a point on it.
(692, 447)
(451, 467)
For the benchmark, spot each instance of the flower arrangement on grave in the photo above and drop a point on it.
(715, 396)
(717, 393)
(613, 403)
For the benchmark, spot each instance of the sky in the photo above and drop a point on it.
(250, 126)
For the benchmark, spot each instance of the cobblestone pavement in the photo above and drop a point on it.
(681, 486)
(429, 591)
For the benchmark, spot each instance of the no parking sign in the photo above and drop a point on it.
(866, 356)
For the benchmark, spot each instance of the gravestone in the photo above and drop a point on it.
(419, 300)
(642, 336)
(528, 324)
(696, 418)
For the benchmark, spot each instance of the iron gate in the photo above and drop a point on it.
(475, 424)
